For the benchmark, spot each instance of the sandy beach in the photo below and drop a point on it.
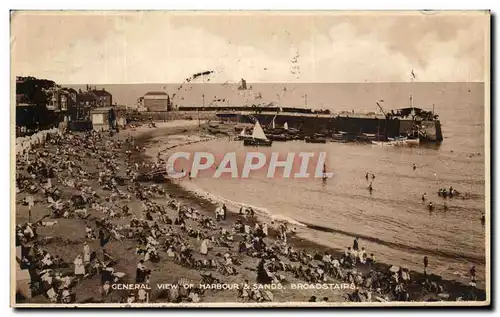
(237, 254)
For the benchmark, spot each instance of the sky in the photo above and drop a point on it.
(287, 47)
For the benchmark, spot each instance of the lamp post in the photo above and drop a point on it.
(166, 107)
(203, 105)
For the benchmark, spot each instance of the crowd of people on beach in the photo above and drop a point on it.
(92, 178)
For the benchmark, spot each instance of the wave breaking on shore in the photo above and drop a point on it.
(234, 205)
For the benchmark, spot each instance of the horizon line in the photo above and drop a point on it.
(277, 82)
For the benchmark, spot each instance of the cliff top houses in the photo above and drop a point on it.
(43, 100)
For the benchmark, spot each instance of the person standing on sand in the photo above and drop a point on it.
(354, 256)
(371, 260)
(140, 274)
(262, 276)
(362, 256)
(426, 263)
(204, 247)
(265, 230)
(31, 204)
(472, 273)
(86, 253)
(431, 206)
(355, 245)
(79, 268)
(347, 253)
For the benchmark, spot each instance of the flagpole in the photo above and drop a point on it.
(411, 89)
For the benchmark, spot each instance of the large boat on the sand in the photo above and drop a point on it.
(258, 137)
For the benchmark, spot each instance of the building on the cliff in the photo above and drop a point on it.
(34, 110)
(156, 101)
(72, 96)
(61, 99)
(103, 98)
(85, 102)
(41, 102)
(82, 102)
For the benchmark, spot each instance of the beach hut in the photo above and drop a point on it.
(100, 118)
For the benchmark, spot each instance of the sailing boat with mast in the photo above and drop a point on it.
(258, 137)
(413, 137)
(243, 135)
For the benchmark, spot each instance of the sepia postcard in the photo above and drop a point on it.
(250, 158)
